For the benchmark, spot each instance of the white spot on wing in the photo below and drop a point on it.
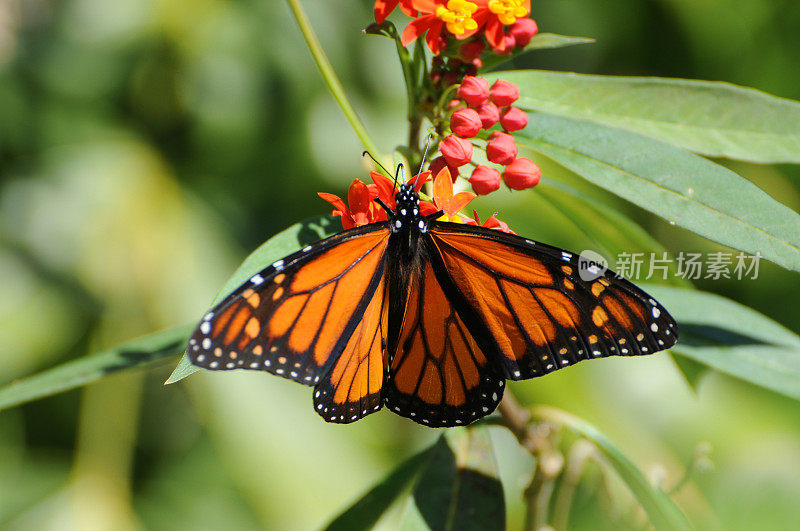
(257, 279)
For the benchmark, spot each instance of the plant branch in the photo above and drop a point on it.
(549, 462)
(331, 80)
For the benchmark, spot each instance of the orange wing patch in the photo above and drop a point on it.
(294, 317)
(439, 376)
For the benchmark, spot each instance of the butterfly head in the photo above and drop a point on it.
(407, 215)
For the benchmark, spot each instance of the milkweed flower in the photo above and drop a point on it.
(383, 9)
(504, 93)
(361, 208)
(456, 151)
(485, 180)
(523, 30)
(474, 91)
(502, 13)
(445, 200)
(455, 16)
(489, 114)
(466, 123)
(493, 223)
(501, 148)
(522, 174)
(513, 119)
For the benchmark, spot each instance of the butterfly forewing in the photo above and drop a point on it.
(294, 317)
(538, 311)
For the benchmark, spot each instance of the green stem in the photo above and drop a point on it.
(334, 85)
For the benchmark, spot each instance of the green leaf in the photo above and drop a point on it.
(460, 487)
(692, 371)
(136, 353)
(283, 243)
(716, 119)
(660, 508)
(366, 512)
(683, 188)
(733, 339)
(544, 41)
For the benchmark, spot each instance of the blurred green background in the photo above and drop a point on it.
(147, 145)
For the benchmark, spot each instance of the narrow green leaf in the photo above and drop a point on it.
(692, 371)
(733, 339)
(283, 243)
(545, 41)
(716, 119)
(136, 353)
(542, 41)
(459, 488)
(660, 508)
(683, 188)
(366, 512)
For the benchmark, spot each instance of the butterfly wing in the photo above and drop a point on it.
(536, 313)
(352, 388)
(301, 318)
(438, 374)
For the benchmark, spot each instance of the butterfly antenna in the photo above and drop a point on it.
(368, 154)
(424, 156)
(401, 174)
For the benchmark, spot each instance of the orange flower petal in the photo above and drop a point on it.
(443, 189)
(461, 200)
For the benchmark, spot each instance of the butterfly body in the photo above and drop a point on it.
(428, 318)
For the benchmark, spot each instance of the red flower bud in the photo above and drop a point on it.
(474, 90)
(466, 122)
(453, 104)
(513, 119)
(501, 148)
(456, 151)
(484, 180)
(506, 45)
(489, 114)
(522, 174)
(438, 163)
(504, 93)
(471, 50)
(523, 30)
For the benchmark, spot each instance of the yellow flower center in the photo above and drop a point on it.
(508, 11)
(457, 16)
(452, 218)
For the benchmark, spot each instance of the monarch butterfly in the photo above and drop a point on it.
(427, 317)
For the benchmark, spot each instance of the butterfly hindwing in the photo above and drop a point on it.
(538, 311)
(296, 316)
(438, 374)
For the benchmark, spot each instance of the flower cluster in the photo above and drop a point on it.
(481, 107)
(463, 35)
(502, 24)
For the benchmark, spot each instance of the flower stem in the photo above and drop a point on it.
(328, 74)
